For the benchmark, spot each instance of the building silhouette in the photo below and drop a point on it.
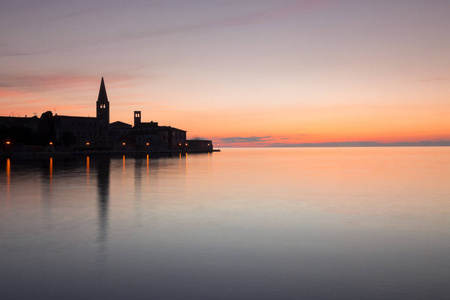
(72, 133)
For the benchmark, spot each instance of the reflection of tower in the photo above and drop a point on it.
(137, 176)
(138, 187)
(103, 166)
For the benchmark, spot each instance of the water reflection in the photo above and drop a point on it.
(87, 170)
(8, 177)
(103, 192)
(123, 167)
(138, 188)
(46, 170)
(148, 166)
(103, 178)
(242, 224)
(51, 171)
(138, 177)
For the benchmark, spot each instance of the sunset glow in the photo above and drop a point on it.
(241, 73)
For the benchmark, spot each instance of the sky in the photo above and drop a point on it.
(239, 72)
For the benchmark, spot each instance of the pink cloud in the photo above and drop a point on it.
(6, 93)
(35, 101)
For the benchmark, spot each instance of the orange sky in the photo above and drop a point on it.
(248, 73)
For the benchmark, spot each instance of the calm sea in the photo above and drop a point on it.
(273, 223)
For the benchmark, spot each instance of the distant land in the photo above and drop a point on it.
(347, 144)
(369, 144)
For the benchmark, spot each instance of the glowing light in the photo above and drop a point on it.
(123, 144)
(87, 144)
(186, 144)
(51, 143)
(8, 143)
(148, 144)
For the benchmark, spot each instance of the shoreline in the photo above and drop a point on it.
(78, 153)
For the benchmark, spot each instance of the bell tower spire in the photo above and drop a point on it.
(103, 104)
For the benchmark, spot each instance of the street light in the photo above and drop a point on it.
(87, 143)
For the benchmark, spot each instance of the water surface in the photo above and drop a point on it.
(289, 223)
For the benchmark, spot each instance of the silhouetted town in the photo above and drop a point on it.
(57, 133)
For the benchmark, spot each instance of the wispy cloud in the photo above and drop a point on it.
(6, 92)
(252, 139)
(26, 81)
(431, 80)
(23, 82)
(271, 15)
(258, 141)
(283, 11)
(34, 101)
(366, 144)
(131, 103)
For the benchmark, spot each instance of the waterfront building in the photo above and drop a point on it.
(74, 133)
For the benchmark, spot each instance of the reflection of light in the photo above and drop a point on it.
(147, 165)
(8, 167)
(8, 176)
(123, 159)
(51, 170)
(87, 169)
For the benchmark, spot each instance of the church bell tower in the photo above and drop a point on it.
(103, 105)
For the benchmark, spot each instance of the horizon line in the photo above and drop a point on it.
(443, 143)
